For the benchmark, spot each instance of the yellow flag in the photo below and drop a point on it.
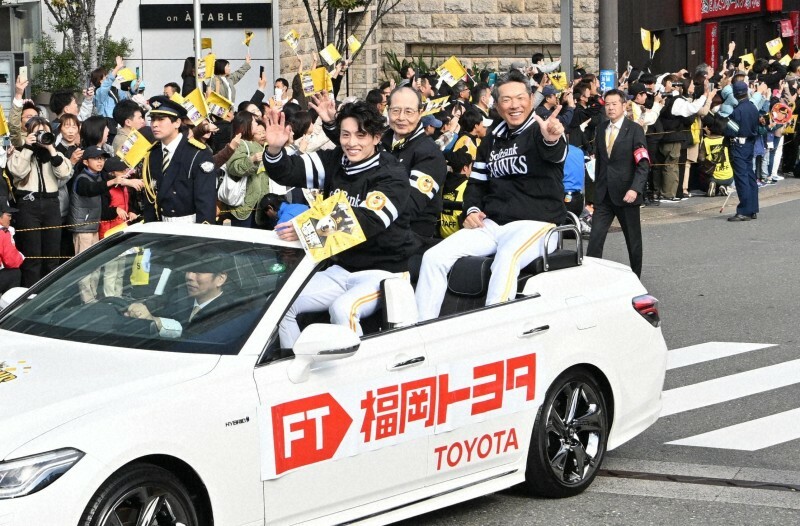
(208, 62)
(451, 71)
(248, 36)
(791, 126)
(749, 58)
(126, 74)
(205, 43)
(435, 106)
(353, 44)
(140, 273)
(330, 54)
(114, 229)
(785, 60)
(558, 80)
(218, 105)
(316, 80)
(3, 123)
(194, 103)
(134, 149)
(774, 45)
(656, 45)
(292, 38)
(645, 39)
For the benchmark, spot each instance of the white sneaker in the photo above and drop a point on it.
(777, 177)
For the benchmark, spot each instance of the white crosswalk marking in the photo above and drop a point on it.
(730, 387)
(750, 436)
(709, 351)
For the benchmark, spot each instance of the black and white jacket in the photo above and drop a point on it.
(518, 176)
(377, 189)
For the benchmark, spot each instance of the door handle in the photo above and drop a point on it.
(407, 363)
(534, 331)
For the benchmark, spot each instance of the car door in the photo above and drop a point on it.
(488, 361)
(353, 433)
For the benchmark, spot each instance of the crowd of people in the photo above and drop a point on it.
(488, 173)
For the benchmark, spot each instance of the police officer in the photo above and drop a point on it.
(743, 128)
(182, 177)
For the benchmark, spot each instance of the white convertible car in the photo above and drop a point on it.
(110, 420)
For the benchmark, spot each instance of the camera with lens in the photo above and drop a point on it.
(45, 138)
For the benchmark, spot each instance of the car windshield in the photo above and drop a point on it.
(158, 292)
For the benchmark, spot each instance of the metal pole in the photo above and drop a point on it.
(567, 61)
(609, 35)
(276, 42)
(196, 18)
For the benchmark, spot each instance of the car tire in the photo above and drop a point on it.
(568, 445)
(138, 490)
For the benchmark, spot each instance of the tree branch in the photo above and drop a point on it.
(317, 36)
(380, 11)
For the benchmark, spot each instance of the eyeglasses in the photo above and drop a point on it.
(408, 112)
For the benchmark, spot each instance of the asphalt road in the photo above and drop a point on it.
(717, 282)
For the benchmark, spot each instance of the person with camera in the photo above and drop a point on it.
(36, 170)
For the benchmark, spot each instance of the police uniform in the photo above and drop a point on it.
(378, 192)
(186, 191)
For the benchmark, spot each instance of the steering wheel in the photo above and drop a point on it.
(119, 304)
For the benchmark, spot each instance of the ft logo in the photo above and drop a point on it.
(307, 431)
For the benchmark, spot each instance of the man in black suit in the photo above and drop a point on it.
(181, 168)
(620, 177)
(205, 276)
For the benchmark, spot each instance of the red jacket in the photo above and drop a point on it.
(10, 257)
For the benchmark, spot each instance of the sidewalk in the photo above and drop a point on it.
(698, 207)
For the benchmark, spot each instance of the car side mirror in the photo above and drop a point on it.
(321, 342)
(11, 295)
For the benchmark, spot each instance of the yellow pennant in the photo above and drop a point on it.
(749, 58)
(134, 149)
(656, 45)
(218, 105)
(785, 60)
(451, 71)
(205, 43)
(208, 63)
(248, 36)
(293, 39)
(646, 39)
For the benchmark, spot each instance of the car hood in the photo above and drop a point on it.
(45, 383)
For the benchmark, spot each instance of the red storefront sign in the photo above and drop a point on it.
(712, 45)
(717, 8)
(786, 28)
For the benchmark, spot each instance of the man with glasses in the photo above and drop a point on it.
(514, 196)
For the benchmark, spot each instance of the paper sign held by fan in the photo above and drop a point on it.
(316, 80)
(205, 43)
(451, 71)
(784, 61)
(749, 58)
(3, 122)
(134, 149)
(218, 105)
(774, 45)
(207, 67)
(248, 36)
(330, 226)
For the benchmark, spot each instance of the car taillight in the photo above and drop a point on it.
(647, 306)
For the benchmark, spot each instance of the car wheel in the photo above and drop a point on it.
(142, 495)
(569, 437)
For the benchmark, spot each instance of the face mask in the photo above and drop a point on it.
(278, 93)
(491, 102)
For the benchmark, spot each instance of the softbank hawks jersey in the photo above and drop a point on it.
(518, 176)
(377, 189)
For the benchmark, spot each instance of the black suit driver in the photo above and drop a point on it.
(620, 177)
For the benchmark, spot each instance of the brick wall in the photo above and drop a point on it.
(489, 33)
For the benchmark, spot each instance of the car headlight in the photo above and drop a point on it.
(23, 476)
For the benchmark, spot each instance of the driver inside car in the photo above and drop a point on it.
(205, 278)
